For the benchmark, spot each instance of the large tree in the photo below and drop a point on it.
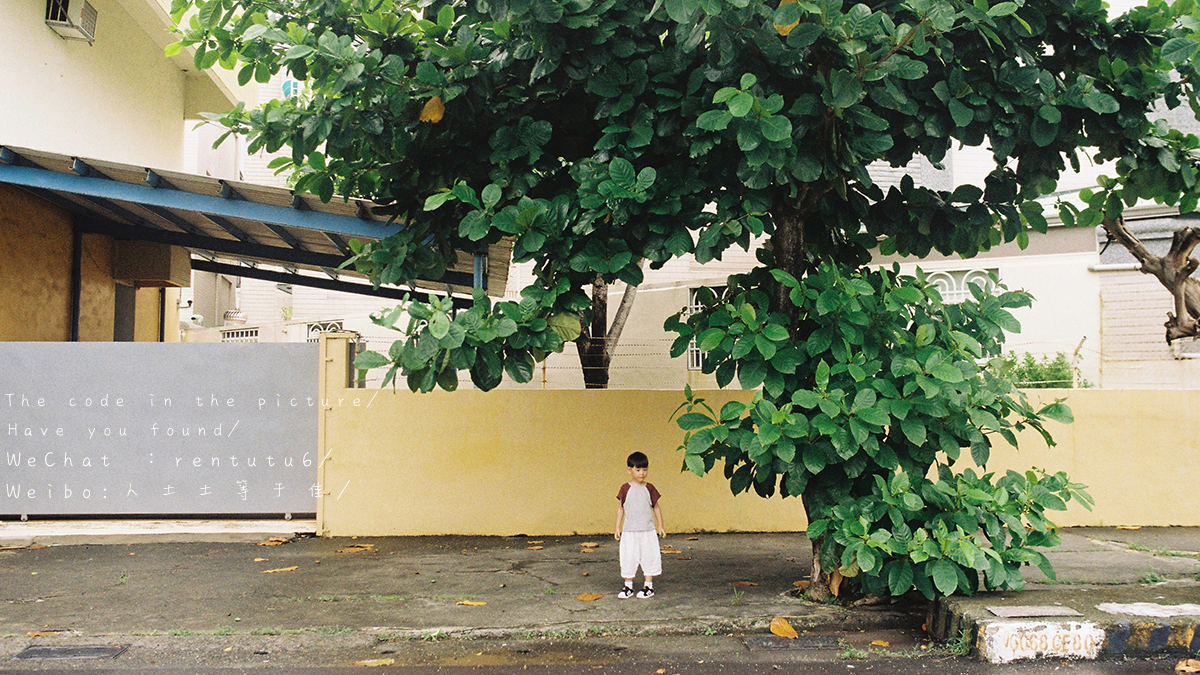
(601, 135)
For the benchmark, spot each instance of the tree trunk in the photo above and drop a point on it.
(1174, 271)
(593, 357)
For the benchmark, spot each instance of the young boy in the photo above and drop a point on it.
(638, 517)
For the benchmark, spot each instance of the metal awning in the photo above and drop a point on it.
(233, 228)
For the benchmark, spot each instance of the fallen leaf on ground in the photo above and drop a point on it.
(471, 603)
(835, 582)
(590, 544)
(587, 550)
(44, 633)
(589, 597)
(227, 649)
(744, 584)
(1133, 527)
(802, 585)
(34, 547)
(274, 541)
(693, 538)
(372, 663)
(781, 627)
(355, 548)
(534, 548)
(539, 541)
(667, 550)
(282, 569)
(1188, 666)
(661, 671)
(683, 557)
(262, 559)
(881, 643)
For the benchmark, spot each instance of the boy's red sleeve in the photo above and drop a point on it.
(653, 494)
(622, 492)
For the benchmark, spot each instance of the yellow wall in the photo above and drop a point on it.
(1136, 449)
(511, 462)
(550, 462)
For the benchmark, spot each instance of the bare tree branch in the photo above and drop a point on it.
(1173, 271)
(618, 324)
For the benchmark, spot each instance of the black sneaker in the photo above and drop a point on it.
(626, 592)
(646, 592)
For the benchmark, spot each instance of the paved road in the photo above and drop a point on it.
(614, 655)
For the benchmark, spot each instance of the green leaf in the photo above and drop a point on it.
(741, 104)
(775, 128)
(490, 195)
(900, 577)
(210, 14)
(369, 360)
(946, 373)
(695, 420)
(1100, 102)
(751, 374)
(714, 120)
(962, 114)
(945, 576)
(1002, 9)
(914, 431)
(844, 89)
(1180, 49)
(1059, 412)
(622, 173)
(436, 200)
(710, 339)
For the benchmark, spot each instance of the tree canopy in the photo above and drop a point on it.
(601, 134)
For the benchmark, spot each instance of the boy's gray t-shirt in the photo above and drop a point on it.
(639, 501)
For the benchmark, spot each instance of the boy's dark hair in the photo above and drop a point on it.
(638, 460)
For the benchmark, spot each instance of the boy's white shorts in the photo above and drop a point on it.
(640, 548)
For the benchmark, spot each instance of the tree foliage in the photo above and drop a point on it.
(603, 134)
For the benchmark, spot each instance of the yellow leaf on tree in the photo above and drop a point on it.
(784, 30)
(881, 643)
(781, 627)
(282, 569)
(589, 597)
(433, 110)
(835, 582)
(471, 603)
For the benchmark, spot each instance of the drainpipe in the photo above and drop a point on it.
(76, 278)
(162, 315)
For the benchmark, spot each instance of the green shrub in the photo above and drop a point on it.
(1032, 372)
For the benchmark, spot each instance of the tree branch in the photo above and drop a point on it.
(1173, 271)
(618, 324)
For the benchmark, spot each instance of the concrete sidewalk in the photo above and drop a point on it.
(93, 586)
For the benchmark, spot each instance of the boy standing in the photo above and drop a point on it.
(638, 518)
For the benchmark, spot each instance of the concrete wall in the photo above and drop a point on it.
(118, 99)
(549, 462)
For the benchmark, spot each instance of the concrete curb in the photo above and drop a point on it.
(1089, 634)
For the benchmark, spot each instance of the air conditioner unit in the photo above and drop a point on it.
(72, 19)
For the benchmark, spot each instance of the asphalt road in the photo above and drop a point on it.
(615, 655)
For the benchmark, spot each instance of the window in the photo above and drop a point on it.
(953, 284)
(240, 335)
